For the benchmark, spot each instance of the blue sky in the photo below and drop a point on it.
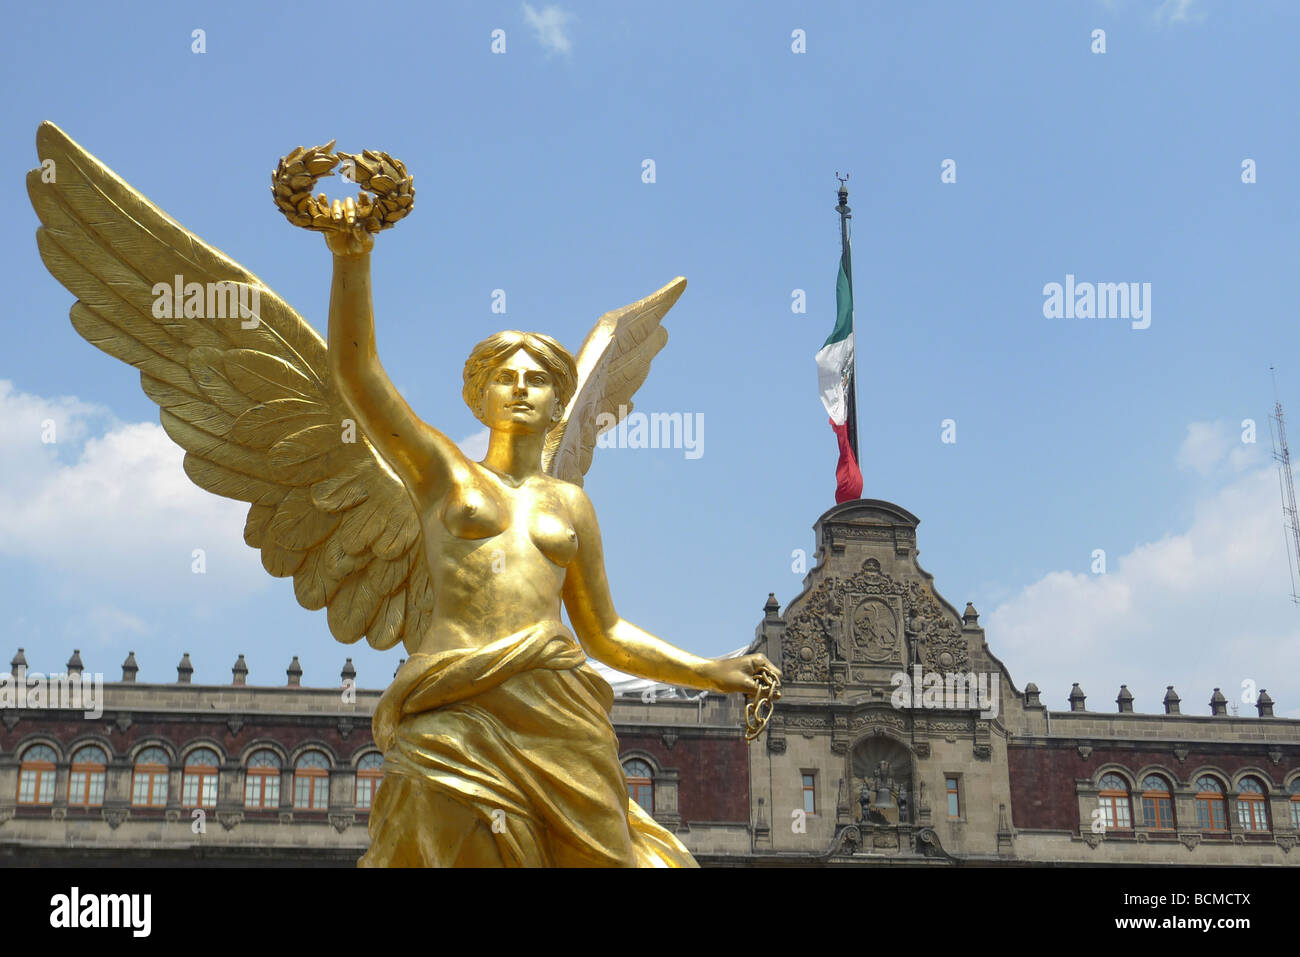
(1072, 434)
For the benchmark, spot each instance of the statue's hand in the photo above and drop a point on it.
(348, 237)
(737, 674)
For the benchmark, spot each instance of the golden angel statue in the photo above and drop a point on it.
(498, 745)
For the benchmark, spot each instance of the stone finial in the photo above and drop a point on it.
(1077, 698)
(1124, 699)
(772, 607)
(349, 673)
(129, 668)
(1171, 700)
(1031, 696)
(970, 616)
(18, 666)
(75, 667)
(239, 671)
(294, 671)
(1218, 703)
(1264, 704)
(185, 670)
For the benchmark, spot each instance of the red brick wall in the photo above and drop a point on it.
(714, 774)
(179, 734)
(1043, 776)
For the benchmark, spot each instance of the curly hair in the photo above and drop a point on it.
(489, 353)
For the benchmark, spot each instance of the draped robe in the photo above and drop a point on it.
(505, 755)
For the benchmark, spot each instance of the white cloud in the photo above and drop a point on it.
(551, 26)
(1180, 11)
(1201, 609)
(103, 625)
(475, 446)
(1161, 11)
(111, 509)
(1211, 446)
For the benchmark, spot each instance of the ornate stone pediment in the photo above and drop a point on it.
(870, 618)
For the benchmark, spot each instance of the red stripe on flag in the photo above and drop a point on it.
(848, 477)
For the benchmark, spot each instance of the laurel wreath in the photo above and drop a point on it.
(387, 191)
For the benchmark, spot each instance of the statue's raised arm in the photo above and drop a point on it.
(424, 458)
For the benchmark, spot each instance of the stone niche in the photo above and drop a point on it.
(880, 783)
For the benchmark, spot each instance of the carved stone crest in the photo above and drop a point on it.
(875, 631)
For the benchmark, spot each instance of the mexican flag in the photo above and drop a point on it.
(835, 381)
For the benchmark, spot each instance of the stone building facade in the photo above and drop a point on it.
(953, 765)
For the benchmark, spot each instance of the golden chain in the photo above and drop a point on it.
(759, 711)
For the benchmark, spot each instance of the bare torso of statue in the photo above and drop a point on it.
(497, 556)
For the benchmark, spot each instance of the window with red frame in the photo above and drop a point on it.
(369, 773)
(1211, 804)
(640, 783)
(311, 782)
(262, 781)
(86, 780)
(1157, 803)
(1115, 803)
(199, 783)
(149, 778)
(1252, 805)
(36, 775)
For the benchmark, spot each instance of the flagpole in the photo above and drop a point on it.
(845, 215)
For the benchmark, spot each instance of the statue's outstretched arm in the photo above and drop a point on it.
(423, 457)
(622, 645)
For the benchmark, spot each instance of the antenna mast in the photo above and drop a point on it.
(1290, 518)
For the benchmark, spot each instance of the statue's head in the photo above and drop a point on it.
(519, 381)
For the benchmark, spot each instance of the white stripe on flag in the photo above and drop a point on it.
(833, 362)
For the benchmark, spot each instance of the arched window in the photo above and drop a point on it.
(149, 778)
(1211, 805)
(86, 782)
(370, 771)
(640, 783)
(262, 781)
(1252, 806)
(199, 785)
(311, 782)
(1295, 803)
(1157, 803)
(36, 775)
(1114, 802)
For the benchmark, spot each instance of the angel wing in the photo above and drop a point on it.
(254, 408)
(613, 362)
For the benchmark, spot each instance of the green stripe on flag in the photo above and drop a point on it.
(843, 307)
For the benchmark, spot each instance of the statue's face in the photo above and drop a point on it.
(519, 395)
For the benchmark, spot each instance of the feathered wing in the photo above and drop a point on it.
(613, 362)
(254, 408)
